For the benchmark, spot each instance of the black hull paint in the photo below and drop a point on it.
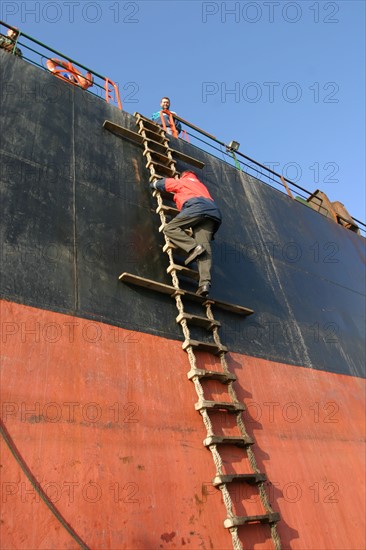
(77, 212)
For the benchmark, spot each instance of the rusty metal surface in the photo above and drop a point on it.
(104, 419)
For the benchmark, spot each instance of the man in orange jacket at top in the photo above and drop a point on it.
(197, 210)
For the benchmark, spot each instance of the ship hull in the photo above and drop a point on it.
(102, 446)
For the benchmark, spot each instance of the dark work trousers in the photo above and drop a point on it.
(203, 228)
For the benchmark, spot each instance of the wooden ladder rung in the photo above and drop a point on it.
(236, 521)
(155, 137)
(150, 125)
(204, 346)
(165, 160)
(184, 271)
(252, 478)
(155, 146)
(223, 377)
(161, 168)
(139, 117)
(198, 320)
(216, 405)
(228, 440)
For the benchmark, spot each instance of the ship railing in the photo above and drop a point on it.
(230, 154)
(71, 71)
(104, 88)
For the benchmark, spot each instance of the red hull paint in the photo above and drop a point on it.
(104, 419)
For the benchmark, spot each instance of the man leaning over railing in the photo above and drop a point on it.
(157, 117)
(8, 42)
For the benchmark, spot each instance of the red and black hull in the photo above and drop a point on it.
(97, 410)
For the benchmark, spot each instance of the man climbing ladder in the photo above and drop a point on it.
(197, 210)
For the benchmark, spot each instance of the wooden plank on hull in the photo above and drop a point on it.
(171, 291)
(123, 132)
(189, 160)
(148, 283)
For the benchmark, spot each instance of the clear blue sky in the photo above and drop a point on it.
(285, 79)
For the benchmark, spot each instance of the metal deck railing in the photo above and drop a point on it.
(100, 86)
(235, 158)
(104, 88)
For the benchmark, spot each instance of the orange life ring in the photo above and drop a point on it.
(69, 73)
